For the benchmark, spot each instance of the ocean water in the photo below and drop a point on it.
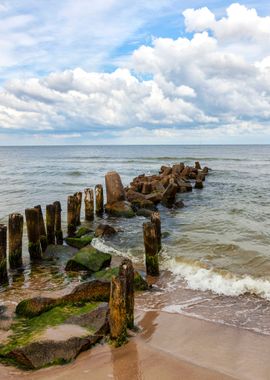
(217, 251)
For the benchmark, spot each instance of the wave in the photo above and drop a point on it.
(221, 282)
(100, 245)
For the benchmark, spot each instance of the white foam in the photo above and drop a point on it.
(198, 278)
(100, 245)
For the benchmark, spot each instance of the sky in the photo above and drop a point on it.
(144, 72)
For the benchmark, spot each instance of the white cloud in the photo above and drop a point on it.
(174, 90)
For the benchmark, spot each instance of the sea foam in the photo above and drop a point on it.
(229, 284)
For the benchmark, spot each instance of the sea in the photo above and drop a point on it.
(215, 260)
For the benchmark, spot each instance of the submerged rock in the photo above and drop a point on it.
(122, 208)
(104, 230)
(139, 282)
(63, 342)
(82, 231)
(89, 259)
(79, 242)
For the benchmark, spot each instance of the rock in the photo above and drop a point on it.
(155, 197)
(205, 170)
(143, 203)
(95, 290)
(168, 198)
(64, 342)
(186, 171)
(183, 185)
(192, 175)
(179, 204)
(198, 184)
(123, 209)
(197, 165)
(134, 196)
(176, 169)
(106, 275)
(35, 306)
(104, 230)
(144, 212)
(114, 188)
(157, 186)
(146, 188)
(82, 231)
(79, 242)
(89, 259)
(165, 170)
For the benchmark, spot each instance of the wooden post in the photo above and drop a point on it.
(118, 317)
(50, 223)
(89, 204)
(78, 197)
(126, 273)
(3, 254)
(155, 219)
(151, 249)
(99, 199)
(42, 230)
(58, 223)
(15, 235)
(32, 223)
(71, 215)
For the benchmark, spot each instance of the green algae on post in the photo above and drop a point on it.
(71, 215)
(32, 222)
(58, 223)
(118, 315)
(15, 235)
(151, 248)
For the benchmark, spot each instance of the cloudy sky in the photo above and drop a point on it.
(143, 72)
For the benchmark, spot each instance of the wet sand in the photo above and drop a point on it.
(169, 346)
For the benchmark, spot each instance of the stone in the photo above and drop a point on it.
(155, 197)
(144, 212)
(179, 204)
(146, 188)
(120, 209)
(114, 188)
(198, 184)
(89, 259)
(82, 231)
(168, 198)
(79, 242)
(104, 230)
(106, 275)
(183, 185)
(197, 165)
(35, 306)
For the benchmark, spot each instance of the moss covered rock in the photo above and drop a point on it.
(82, 231)
(79, 242)
(121, 209)
(35, 306)
(89, 259)
(106, 275)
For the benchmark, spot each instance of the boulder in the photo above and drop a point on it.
(134, 195)
(104, 230)
(165, 170)
(179, 204)
(205, 170)
(114, 188)
(139, 282)
(186, 171)
(144, 212)
(155, 197)
(146, 188)
(157, 186)
(168, 198)
(79, 242)
(62, 343)
(35, 306)
(82, 231)
(183, 185)
(122, 208)
(197, 165)
(89, 259)
(198, 184)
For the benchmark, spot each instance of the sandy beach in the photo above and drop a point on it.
(169, 346)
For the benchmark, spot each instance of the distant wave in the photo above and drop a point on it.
(75, 173)
(220, 282)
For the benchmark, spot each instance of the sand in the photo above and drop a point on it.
(169, 346)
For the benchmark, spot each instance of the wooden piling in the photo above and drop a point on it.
(3, 254)
(78, 197)
(58, 223)
(32, 223)
(126, 273)
(118, 316)
(151, 249)
(50, 223)
(89, 204)
(71, 215)
(15, 235)
(155, 218)
(42, 230)
(99, 199)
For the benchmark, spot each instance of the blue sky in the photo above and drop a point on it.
(153, 72)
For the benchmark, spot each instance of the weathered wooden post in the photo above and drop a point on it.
(151, 249)
(71, 215)
(99, 199)
(58, 223)
(89, 204)
(15, 235)
(78, 197)
(126, 273)
(50, 223)
(3, 254)
(32, 223)
(118, 315)
(42, 230)
(155, 219)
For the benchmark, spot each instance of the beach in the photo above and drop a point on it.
(169, 347)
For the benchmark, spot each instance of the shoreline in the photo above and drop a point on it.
(169, 346)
